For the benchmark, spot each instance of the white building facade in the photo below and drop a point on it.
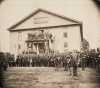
(45, 32)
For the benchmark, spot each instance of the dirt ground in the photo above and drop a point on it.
(48, 77)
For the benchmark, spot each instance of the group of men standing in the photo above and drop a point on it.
(69, 61)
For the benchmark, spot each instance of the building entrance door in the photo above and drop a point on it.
(40, 47)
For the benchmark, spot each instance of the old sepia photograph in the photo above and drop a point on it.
(49, 43)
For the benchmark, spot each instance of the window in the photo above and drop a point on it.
(31, 36)
(65, 44)
(19, 36)
(19, 46)
(65, 34)
(29, 45)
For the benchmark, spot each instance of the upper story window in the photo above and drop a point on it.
(29, 44)
(31, 36)
(65, 44)
(65, 34)
(19, 36)
(19, 46)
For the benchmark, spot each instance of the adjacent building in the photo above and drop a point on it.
(45, 32)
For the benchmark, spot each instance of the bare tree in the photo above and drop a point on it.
(85, 45)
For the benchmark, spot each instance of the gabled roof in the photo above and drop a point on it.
(45, 11)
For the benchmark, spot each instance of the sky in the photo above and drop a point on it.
(12, 11)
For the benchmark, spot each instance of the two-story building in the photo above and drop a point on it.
(44, 32)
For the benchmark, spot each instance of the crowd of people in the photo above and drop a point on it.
(71, 59)
(83, 59)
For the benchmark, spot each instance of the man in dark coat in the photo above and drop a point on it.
(74, 61)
